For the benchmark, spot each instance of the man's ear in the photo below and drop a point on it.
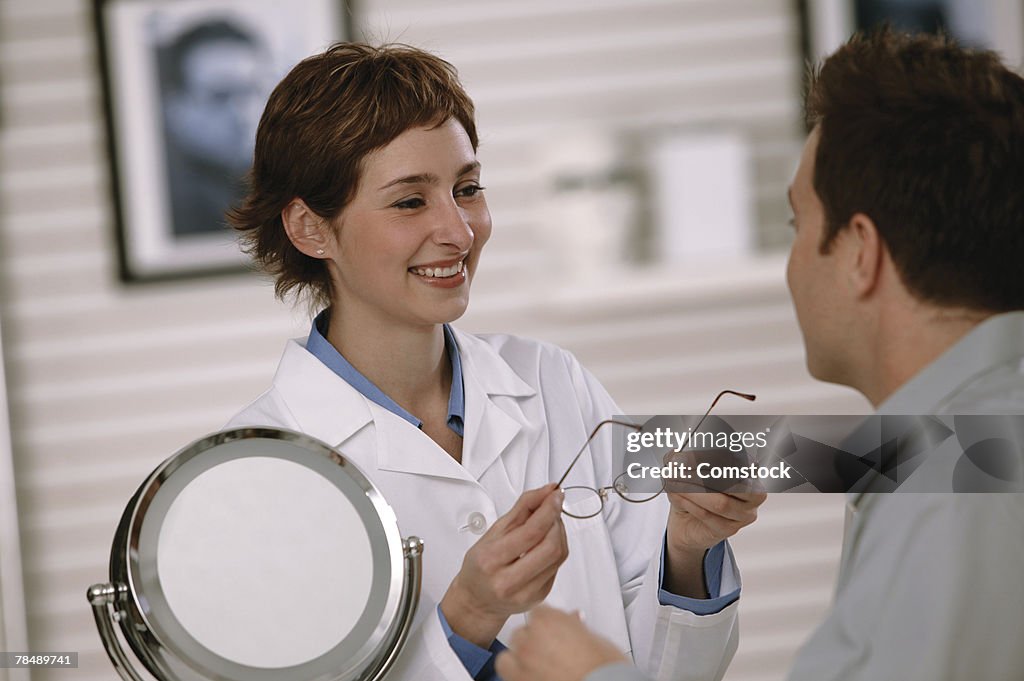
(866, 251)
(308, 232)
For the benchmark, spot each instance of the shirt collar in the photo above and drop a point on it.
(320, 348)
(457, 397)
(994, 342)
(997, 340)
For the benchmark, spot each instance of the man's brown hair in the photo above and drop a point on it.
(320, 122)
(927, 139)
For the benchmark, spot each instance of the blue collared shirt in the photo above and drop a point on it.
(714, 563)
(321, 349)
(479, 662)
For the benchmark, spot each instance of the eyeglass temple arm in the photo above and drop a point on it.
(747, 396)
(592, 434)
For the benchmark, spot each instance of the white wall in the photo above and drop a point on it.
(105, 381)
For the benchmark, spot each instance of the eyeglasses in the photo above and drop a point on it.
(587, 502)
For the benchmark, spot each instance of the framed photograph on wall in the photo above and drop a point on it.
(185, 82)
(991, 24)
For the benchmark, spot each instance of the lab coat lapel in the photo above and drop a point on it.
(323, 404)
(489, 430)
(404, 448)
(326, 407)
(493, 415)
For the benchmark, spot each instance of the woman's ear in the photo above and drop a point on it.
(307, 231)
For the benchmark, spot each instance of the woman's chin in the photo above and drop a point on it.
(453, 313)
(444, 313)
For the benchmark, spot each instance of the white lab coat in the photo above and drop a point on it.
(529, 407)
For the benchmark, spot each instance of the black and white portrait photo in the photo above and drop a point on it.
(186, 82)
(214, 78)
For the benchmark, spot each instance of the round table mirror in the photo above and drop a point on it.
(257, 554)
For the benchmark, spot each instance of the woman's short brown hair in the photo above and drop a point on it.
(320, 122)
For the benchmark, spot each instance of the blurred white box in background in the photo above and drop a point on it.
(587, 215)
(701, 188)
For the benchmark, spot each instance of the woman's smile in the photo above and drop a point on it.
(441, 274)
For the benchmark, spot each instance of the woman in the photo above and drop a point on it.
(366, 197)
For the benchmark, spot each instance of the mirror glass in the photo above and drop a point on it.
(264, 562)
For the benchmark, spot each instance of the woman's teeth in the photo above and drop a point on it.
(438, 272)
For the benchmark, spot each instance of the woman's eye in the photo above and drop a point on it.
(469, 191)
(409, 204)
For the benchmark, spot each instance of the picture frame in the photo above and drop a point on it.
(184, 84)
(991, 24)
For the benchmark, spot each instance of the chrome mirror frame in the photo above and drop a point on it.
(134, 600)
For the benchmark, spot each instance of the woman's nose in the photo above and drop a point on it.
(454, 228)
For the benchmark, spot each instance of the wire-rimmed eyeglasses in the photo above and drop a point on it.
(587, 502)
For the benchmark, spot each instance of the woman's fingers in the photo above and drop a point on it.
(527, 578)
(754, 499)
(523, 508)
(719, 526)
(724, 506)
(529, 533)
(513, 566)
(531, 574)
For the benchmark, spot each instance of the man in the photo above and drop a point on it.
(905, 272)
(214, 81)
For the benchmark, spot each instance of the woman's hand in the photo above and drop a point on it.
(554, 646)
(510, 569)
(696, 522)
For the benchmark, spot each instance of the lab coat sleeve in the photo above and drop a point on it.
(427, 656)
(669, 643)
(930, 594)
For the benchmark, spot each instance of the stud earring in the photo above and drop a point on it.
(319, 251)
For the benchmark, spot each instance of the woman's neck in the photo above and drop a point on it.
(409, 364)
